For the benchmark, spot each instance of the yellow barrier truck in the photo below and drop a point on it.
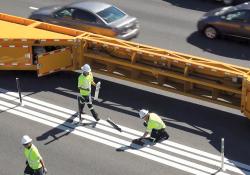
(31, 45)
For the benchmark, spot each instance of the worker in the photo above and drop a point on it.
(34, 162)
(154, 125)
(85, 80)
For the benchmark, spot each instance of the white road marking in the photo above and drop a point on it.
(229, 166)
(124, 134)
(33, 8)
(89, 135)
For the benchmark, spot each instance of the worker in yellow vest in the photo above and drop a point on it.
(154, 126)
(85, 80)
(34, 162)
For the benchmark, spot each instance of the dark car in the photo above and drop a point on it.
(232, 21)
(95, 17)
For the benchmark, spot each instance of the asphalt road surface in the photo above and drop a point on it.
(49, 108)
(169, 24)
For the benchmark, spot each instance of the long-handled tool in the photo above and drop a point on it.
(114, 124)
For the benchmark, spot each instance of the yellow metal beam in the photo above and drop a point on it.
(185, 74)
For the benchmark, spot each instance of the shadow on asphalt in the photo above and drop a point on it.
(235, 129)
(63, 130)
(222, 46)
(136, 145)
(199, 5)
(58, 132)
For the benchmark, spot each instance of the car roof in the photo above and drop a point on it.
(92, 6)
(244, 6)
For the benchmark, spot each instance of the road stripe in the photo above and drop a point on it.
(102, 138)
(183, 153)
(111, 138)
(124, 134)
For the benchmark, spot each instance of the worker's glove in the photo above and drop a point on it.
(98, 84)
(145, 124)
(45, 170)
(136, 140)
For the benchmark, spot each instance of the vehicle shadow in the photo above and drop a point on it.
(222, 46)
(199, 5)
(181, 116)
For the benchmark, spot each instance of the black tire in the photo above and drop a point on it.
(210, 32)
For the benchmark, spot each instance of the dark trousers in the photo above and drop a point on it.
(160, 134)
(30, 171)
(81, 103)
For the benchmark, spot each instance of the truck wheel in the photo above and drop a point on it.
(228, 2)
(210, 32)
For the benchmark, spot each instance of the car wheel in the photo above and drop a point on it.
(228, 2)
(210, 32)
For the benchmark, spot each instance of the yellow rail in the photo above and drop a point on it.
(201, 78)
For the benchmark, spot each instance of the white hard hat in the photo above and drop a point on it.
(26, 139)
(86, 68)
(143, 113)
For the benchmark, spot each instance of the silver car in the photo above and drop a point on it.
(96, 17)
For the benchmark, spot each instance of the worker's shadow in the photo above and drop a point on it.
(65, 128)
(136, 145)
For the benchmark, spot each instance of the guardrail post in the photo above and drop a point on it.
(222, 155)
(19, 90)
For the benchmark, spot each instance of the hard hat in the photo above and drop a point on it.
(86, 68)
(143, 113)
(26, 139)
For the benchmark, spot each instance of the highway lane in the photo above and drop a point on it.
(76, 152)
(169, 24)
(68, 154)
(199, 126)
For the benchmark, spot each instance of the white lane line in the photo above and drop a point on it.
(111, 138)
(229, 164)
(99, 137)
(164, 147)
(183, 153)
(33, 8)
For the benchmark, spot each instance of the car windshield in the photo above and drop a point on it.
(111, 14)
(224, 10)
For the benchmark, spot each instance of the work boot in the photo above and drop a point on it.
(95, 115)
(161, 138)
(80, 118)
(80, 121)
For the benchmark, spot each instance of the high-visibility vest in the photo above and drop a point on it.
(154, 122)
(84, 83)
(33, 157)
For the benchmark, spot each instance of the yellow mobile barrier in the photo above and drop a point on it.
(31, 45)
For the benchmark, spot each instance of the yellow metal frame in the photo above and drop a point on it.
(54, 61)
(197, 77)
